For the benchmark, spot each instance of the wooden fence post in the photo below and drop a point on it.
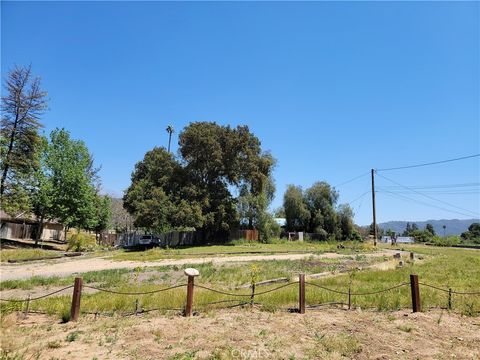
(349, 297)
(27, 306)
(412, 256)
(77, 293)
(191, 273)
(301, 293)
(252, 296)
(449, 299)
(416, 307)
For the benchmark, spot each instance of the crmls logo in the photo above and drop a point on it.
(249, 354)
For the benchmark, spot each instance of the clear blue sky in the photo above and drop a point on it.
(331, 89)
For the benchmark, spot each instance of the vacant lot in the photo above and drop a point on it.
(267, 330)
(458, 269)
(247, 334)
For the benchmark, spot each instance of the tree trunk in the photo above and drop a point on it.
(7, 156)
(38, 235)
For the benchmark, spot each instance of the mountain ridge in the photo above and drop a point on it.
(453, 226)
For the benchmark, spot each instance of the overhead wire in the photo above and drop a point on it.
(353, 179)
(428, 196)
(426, 204)
(428, 164)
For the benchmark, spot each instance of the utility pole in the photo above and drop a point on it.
(170, 130)
(373, 209)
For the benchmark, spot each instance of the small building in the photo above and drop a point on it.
(397, 239)
(25, 226)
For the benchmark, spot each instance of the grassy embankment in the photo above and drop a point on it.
(444, 267)
(26, 254)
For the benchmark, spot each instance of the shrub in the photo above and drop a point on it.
(445, 241)
(82, 242)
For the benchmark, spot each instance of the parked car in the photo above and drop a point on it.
(148, 240)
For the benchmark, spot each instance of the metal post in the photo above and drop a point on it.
(416, 307)
(190, 286)
(301, 294)
(373, 209)
(77, 293)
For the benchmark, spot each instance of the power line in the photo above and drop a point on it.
(431, 163)
(359, 197)
(446, 186)
(427, 204)
(428, 196)
(353, 179)
(440, 192)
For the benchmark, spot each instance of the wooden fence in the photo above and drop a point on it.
(242, 299)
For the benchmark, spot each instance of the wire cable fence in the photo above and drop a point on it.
(234, 299)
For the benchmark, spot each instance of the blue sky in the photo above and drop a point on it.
(331, 89)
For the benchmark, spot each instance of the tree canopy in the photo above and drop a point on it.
(315, 210)
(67, 185)
(23, 104)
(195, 189)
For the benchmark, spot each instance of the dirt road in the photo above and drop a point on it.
(65, 267)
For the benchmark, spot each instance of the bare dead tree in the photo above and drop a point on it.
(22, 107)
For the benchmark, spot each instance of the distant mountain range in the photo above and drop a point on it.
(453, 227)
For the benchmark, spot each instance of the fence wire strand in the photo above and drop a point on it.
(134, 293)
(449, 290)
(380, 291)
(38, 297)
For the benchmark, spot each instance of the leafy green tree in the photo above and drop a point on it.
(345, 222)
(430, 229)
(473, 233)
(66, 183)
(103, 214)
(321, 200)
(195, 191)
(421, 235)
(23, 104)
(296, 211)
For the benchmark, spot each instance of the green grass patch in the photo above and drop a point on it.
(443, 267)
(26, 254)
(241, 248)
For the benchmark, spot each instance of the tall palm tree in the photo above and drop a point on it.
(170, 131)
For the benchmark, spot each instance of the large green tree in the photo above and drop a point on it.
(321, 200)
(296, 211)
(23, 104)
(473, 233)
(315, 210)
(195, 190)
(67, 184)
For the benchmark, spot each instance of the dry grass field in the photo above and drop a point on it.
(379, 326)
(247, 334)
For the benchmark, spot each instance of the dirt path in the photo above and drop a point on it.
(65, 267)
(248, 334)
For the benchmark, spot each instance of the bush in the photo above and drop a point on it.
(445, 241)
(82, 242)
(268, 228)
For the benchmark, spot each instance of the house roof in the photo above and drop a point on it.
(22, 217)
